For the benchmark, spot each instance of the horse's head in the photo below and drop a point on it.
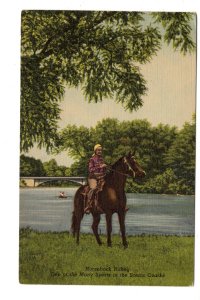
(132, 166)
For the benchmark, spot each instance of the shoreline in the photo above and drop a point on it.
(73, 187)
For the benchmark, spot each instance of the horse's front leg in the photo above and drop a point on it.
(96, 220)
(109, 228)
(121, 216)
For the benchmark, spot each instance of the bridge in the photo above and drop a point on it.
(34, 181)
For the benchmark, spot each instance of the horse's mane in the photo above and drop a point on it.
(113, 167)
(117, 162)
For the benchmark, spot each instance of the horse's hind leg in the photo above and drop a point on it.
(109, 228)
(96, 220)
(73, 226)
(78, 233)
(121, 216)
(78, 226)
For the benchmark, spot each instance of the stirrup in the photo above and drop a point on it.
(87, 210)
(99, 209)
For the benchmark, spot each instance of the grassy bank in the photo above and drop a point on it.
(54, 258)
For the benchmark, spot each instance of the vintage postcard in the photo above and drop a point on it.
(108, 140)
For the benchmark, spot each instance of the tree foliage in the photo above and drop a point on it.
(177, 30)
(166, 153)
(181, 155)
(52, 169)
(118, 138)
(97, 50)
(30, 166)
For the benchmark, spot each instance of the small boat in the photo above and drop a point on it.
(62, 195)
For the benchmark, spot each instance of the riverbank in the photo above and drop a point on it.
(78, 185)
(54, 258)
(22, 185)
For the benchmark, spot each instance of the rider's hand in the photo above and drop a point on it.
(103, 166)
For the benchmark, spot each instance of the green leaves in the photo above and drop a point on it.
(166, 154)
(52, 169)
(30, 166)
(130, 86)
(97, 50)
(181, 155)
(177, 30)
(78, 141)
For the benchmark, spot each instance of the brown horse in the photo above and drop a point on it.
(112, 199)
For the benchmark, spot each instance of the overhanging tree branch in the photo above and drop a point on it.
(97, 50)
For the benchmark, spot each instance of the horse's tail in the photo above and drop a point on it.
(78, 211)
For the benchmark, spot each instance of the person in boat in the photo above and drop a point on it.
(97, 171)
(62, 195)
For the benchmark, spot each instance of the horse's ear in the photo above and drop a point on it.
(129, 154)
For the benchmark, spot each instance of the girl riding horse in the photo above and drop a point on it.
(111, 199)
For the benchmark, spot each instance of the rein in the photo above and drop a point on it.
(127, 175)
(124, 174)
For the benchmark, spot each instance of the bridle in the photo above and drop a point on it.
(129, 169)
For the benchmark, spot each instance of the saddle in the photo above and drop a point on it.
(99, 188)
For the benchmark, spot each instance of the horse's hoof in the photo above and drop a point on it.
(125, 245)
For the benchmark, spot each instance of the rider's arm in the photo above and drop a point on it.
(93, 165)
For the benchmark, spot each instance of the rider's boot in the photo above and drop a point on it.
(88, 208)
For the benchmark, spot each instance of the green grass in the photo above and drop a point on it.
(54, 258)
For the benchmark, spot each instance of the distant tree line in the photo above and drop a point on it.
(30, 166)
(165, 153)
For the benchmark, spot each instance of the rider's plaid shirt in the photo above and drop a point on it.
(94, 165)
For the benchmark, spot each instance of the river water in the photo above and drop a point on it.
(41, 209)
